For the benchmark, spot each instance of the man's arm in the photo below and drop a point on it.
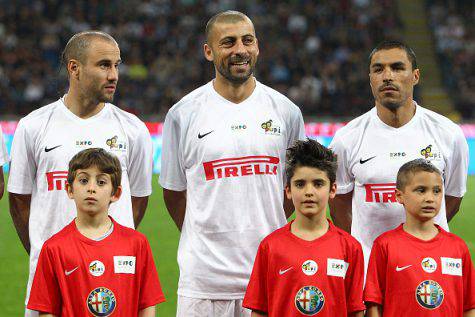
(288, 206)
(46, 315)
(469, 313)
(256, 313)
(2, 182)
(452, 205)
(176, 205)
(340, 210)
(139, 205)
(147, 312)
(374, 310)
(20, 212)
(356, 314)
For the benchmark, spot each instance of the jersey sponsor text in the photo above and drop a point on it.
(241, 166)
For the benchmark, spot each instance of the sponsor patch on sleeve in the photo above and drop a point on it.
(336, 267)
(451, 266)
(124, 264)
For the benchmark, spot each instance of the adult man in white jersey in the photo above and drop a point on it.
(46, 139)
(372, 147)
(222, 170)
(3, 160)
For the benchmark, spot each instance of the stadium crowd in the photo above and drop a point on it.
(454, 33)
(314, 52)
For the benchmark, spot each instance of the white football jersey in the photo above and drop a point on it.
(44, 143)
(230, 159)
(370, 154)
(3, 150)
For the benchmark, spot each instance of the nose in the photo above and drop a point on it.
(113, 74)
(387, 74)
(309, 191)
(91, 187)
(240, 48)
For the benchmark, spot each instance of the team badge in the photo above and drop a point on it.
(309, 300)
(429, 294)
(101, 302)
(429, 265)
(309, 267)
(96, 268)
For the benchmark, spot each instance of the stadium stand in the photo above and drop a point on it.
(315, 52)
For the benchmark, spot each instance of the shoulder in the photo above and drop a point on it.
(454, 240)
(278, 98)
(130, 120)
(275, 237)
(130, 234)
(37, 118)
(190, 101)
(387, 237)
(444, 124)
(57, 241)
(346, 237)
(350, 133)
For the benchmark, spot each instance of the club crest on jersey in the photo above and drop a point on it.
(101, 302)
(429, 265)
(309, 267)
(271, 128)
(96, 268)
(429, 294)
(241, 166)
(380, 193)
(309, 300)
(430, 154)
(115, 144)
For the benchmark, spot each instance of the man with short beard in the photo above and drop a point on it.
(47, 139)
(223, 170)
(372, 148)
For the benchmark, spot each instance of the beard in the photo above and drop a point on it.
(391, 105)
(240, 78)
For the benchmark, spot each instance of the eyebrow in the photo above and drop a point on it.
(232, 37)
(395, 64)
(109, 61)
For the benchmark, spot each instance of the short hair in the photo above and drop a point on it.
(409, 169)
(390, 44)
(105, 162)
(310, 153)
(229, 16)
(79, 43)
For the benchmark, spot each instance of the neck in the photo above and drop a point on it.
(93, 226)
(398, 117)
(309, 228)
(82, 106)
(424, 230)
(235, 93)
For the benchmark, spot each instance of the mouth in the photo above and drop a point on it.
(90, 199)
(428, 209)
(388, 89)
(239, 63)
(110, 88)
(309, 202)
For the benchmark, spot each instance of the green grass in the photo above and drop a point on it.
(163, 237)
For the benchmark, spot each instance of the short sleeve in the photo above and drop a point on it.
(256, 297)
(3, 150)
(172, 173)
(45, 293)
(150, 289)
(140, 168)
(344, 179)
(455, 174)
(468, 282)
(354, 280)
(297, 128)
(23, 167)
(376, 276)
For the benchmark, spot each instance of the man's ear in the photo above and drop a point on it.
(208, 52)
(73, 68)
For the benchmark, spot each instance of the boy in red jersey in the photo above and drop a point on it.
(95, 266)
(309, 266)
(419, 269)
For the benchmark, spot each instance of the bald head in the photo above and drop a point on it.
(225, 17)
(79, 43)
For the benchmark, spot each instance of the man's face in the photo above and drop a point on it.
(392, 79)
(233, 49)
(99, 71)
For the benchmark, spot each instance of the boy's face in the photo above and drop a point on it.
(422, 195)
(310, 190)
(92, 191)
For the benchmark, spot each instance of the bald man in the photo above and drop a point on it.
(46, 139)
(222, 170)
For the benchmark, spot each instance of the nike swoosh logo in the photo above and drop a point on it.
(69, 272)
(398, 269)
(285, 271)
(364, 161)
(51, 148)
(200, 136)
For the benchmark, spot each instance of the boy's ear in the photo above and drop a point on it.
(332, 190)
(287, 192)
(400, 196)
(69, 189)
(115, 197)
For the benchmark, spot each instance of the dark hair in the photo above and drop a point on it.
(229, 16)
(389, 44)
(310, 153)
(79, 43)
(105, 162)
(410, 168)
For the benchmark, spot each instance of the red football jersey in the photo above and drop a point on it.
(295, 277)
(77, 276)
(413, 277)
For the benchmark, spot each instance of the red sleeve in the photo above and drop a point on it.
(468, 282)
(45, 293)
(376, 276)
(256, 293)
(150, 289)
(354, 280)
